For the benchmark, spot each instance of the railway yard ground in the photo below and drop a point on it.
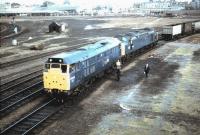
(167, 102)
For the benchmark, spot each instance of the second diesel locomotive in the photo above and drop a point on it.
(65, 72)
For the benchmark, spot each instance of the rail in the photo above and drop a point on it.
(20, 82)
(17, 78)
(26, 124)
(28, 58)
(17, 98)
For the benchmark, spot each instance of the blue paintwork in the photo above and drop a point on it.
(91, 59)
(87, 51)
(97, 57)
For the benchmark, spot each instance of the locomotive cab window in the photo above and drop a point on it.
(64, 68)
(72, 68)
(47, 66)
(55, 65)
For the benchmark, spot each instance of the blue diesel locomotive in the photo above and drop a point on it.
(136, 40)
(65, 72)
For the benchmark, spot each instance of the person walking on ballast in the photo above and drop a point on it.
(146, 70)
(118, 68)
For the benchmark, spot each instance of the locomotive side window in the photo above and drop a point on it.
(88, 64)
(47, 66)
(64, 68)
(92, 69)
(84, 64)
(98, 57)
(55, 65)
(72, 68)
(77, 67)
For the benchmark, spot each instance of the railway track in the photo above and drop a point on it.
(29, 58)
(3, 28)
(32, 120)
(11, 84)
(6, 79)
(26, 124)
(15, 100)
(7, 30)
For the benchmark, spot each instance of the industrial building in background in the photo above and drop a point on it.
(46, 9)
(166, 7)
(152, 7)
(195, 4)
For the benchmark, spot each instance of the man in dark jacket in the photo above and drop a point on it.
(146, 70)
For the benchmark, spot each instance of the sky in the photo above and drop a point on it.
(121, 3)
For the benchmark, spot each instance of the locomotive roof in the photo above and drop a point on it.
(88, 51)
(135, 33)
(138, 32)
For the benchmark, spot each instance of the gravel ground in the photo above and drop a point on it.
(168, 102)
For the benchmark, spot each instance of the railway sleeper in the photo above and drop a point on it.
(38, 117)
(19, 130)
(22, 127)
(34, 119)
(42, 113)
(28, 123)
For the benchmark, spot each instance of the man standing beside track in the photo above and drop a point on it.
(118, 68)
(146, 70)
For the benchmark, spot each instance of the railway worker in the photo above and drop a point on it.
(118, 64)
(146, 70)
(118, 74)
(13, 20)
(118, 68)
(15, 30)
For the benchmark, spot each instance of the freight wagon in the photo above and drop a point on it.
(187, 28)
(171, 31)
(196, 26)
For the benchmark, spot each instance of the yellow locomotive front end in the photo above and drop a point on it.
(56, 78)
